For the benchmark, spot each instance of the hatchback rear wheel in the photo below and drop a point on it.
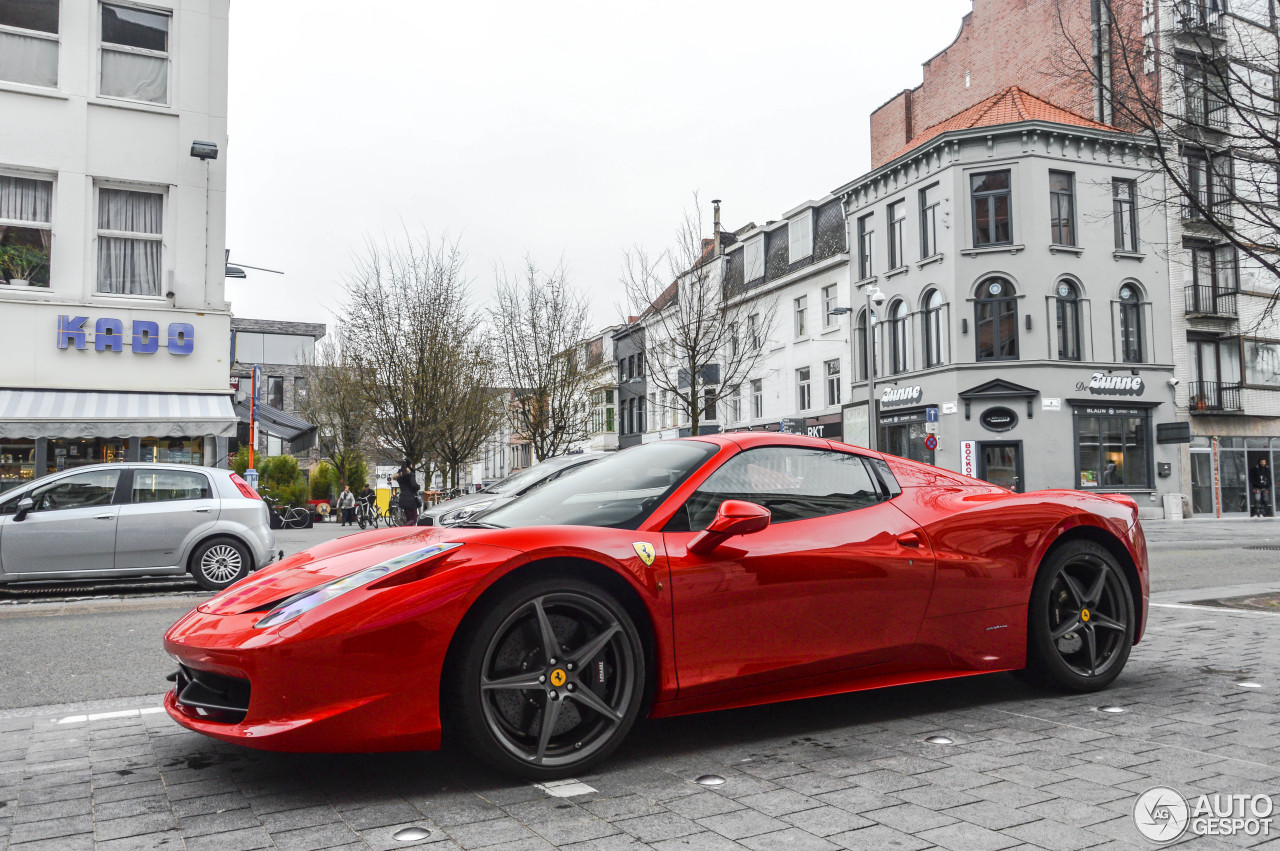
(219, 562)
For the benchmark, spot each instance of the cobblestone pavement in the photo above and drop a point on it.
(1028, 769)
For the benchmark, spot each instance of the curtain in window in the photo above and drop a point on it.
(129, 266)
(25, 200)
(24, 59)
(134, 76)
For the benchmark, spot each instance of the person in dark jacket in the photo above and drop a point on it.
(1260, 482)
(408, 484)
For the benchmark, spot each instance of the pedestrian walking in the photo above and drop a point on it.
(1260, 482)
(408, 482)
(347, 505)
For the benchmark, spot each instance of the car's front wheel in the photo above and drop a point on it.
(219, 562)
(548, 679)
(1081, 619)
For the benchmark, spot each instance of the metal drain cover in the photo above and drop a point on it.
(411, 834)
(710, 780)
(940, 740)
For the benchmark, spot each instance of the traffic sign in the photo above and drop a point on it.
(931, 442)
(931, 414)
(930, 428)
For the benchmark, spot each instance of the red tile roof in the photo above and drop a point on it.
(1007, 107)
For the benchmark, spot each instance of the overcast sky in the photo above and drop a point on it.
(556, 129)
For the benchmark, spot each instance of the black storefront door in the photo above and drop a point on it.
(1001, 464)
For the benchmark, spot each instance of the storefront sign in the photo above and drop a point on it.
(901, 419)
(856, 428)
(791, 425)
(108, 336)
(1104, 384)
(1050, 404)
(898, 397)
(826, 430)
(998, 419)
(968, 449)
(1110, 412)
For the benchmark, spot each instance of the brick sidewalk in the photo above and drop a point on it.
(1028, 769)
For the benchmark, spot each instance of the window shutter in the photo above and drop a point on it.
(755, 259)
(800, 231)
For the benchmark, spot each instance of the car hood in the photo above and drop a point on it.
(462, 502)
(324, 563)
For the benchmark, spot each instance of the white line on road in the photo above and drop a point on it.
(101, 716)
(1221, 610)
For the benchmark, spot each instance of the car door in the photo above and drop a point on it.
(840, 578)
(71, 528)
(167, 508)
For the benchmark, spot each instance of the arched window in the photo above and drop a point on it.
(862, 343)
(1130, 324)
(996, 320)
(932, 324)
(1068, 321)
(899, 326)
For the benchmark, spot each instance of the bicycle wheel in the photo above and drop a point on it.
(297, 519)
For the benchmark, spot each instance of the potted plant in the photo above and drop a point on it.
(21, 263)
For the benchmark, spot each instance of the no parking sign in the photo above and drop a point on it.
(931, 442)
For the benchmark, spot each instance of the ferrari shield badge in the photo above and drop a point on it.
(646, 552)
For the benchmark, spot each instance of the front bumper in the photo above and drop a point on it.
(368, 690)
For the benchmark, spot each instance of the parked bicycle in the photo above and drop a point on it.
(367, 515)
(394, 515)
(291, 516)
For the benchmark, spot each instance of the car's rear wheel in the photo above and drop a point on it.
(1081, 619)
(548, 679)
(220, 562)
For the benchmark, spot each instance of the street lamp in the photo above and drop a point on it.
(877, 297)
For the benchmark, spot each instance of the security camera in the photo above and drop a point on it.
(878, 298)
(1173, 382)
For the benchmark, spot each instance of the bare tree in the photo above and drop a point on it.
(474, 405)
(335, 404)
(404, 312)
(540, 322)
(1202, 97)
(702, 338)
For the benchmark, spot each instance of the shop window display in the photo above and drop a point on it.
(71, 452)
(172, 450)
(17, 463)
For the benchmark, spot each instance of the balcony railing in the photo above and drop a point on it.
(1203, 15)
(1205, 300)
(1213, 397)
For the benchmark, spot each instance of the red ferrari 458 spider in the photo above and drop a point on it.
(681, 576)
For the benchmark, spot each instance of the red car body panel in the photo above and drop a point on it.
(933, 583)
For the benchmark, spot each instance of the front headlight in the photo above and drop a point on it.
(469, 511)
(300, 604)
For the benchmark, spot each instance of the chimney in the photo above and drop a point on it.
(715, 252)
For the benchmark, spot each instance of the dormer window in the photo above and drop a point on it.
(754, 259)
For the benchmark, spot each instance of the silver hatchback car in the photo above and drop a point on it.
(117, 520)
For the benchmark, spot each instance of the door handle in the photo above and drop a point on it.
(911, 539)
(202, 510)
(105, 517)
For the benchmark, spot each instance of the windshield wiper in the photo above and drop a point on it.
(475, 524)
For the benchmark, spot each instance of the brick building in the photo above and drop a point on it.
(1225, 347)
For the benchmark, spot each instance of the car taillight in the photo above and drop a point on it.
(243, 486)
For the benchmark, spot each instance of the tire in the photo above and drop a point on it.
(594, 706)
(1080, 621)
(220, 562)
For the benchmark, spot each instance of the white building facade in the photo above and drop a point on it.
(112, 231)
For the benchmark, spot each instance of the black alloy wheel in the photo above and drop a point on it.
(552, 680)
(1081, 619)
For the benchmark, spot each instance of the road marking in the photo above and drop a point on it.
(1222, 610)
(564, 788)
(102, 716)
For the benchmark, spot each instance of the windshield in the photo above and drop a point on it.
(517, 482)
(618, 492)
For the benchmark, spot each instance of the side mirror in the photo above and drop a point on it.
(733, 517)
(24, 508)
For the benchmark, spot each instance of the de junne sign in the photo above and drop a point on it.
(108, 335)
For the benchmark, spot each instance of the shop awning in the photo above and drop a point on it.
(282, 424)
(84, 413)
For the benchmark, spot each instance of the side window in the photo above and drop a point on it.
(82, 490)
(169, 486)
(794, 483)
